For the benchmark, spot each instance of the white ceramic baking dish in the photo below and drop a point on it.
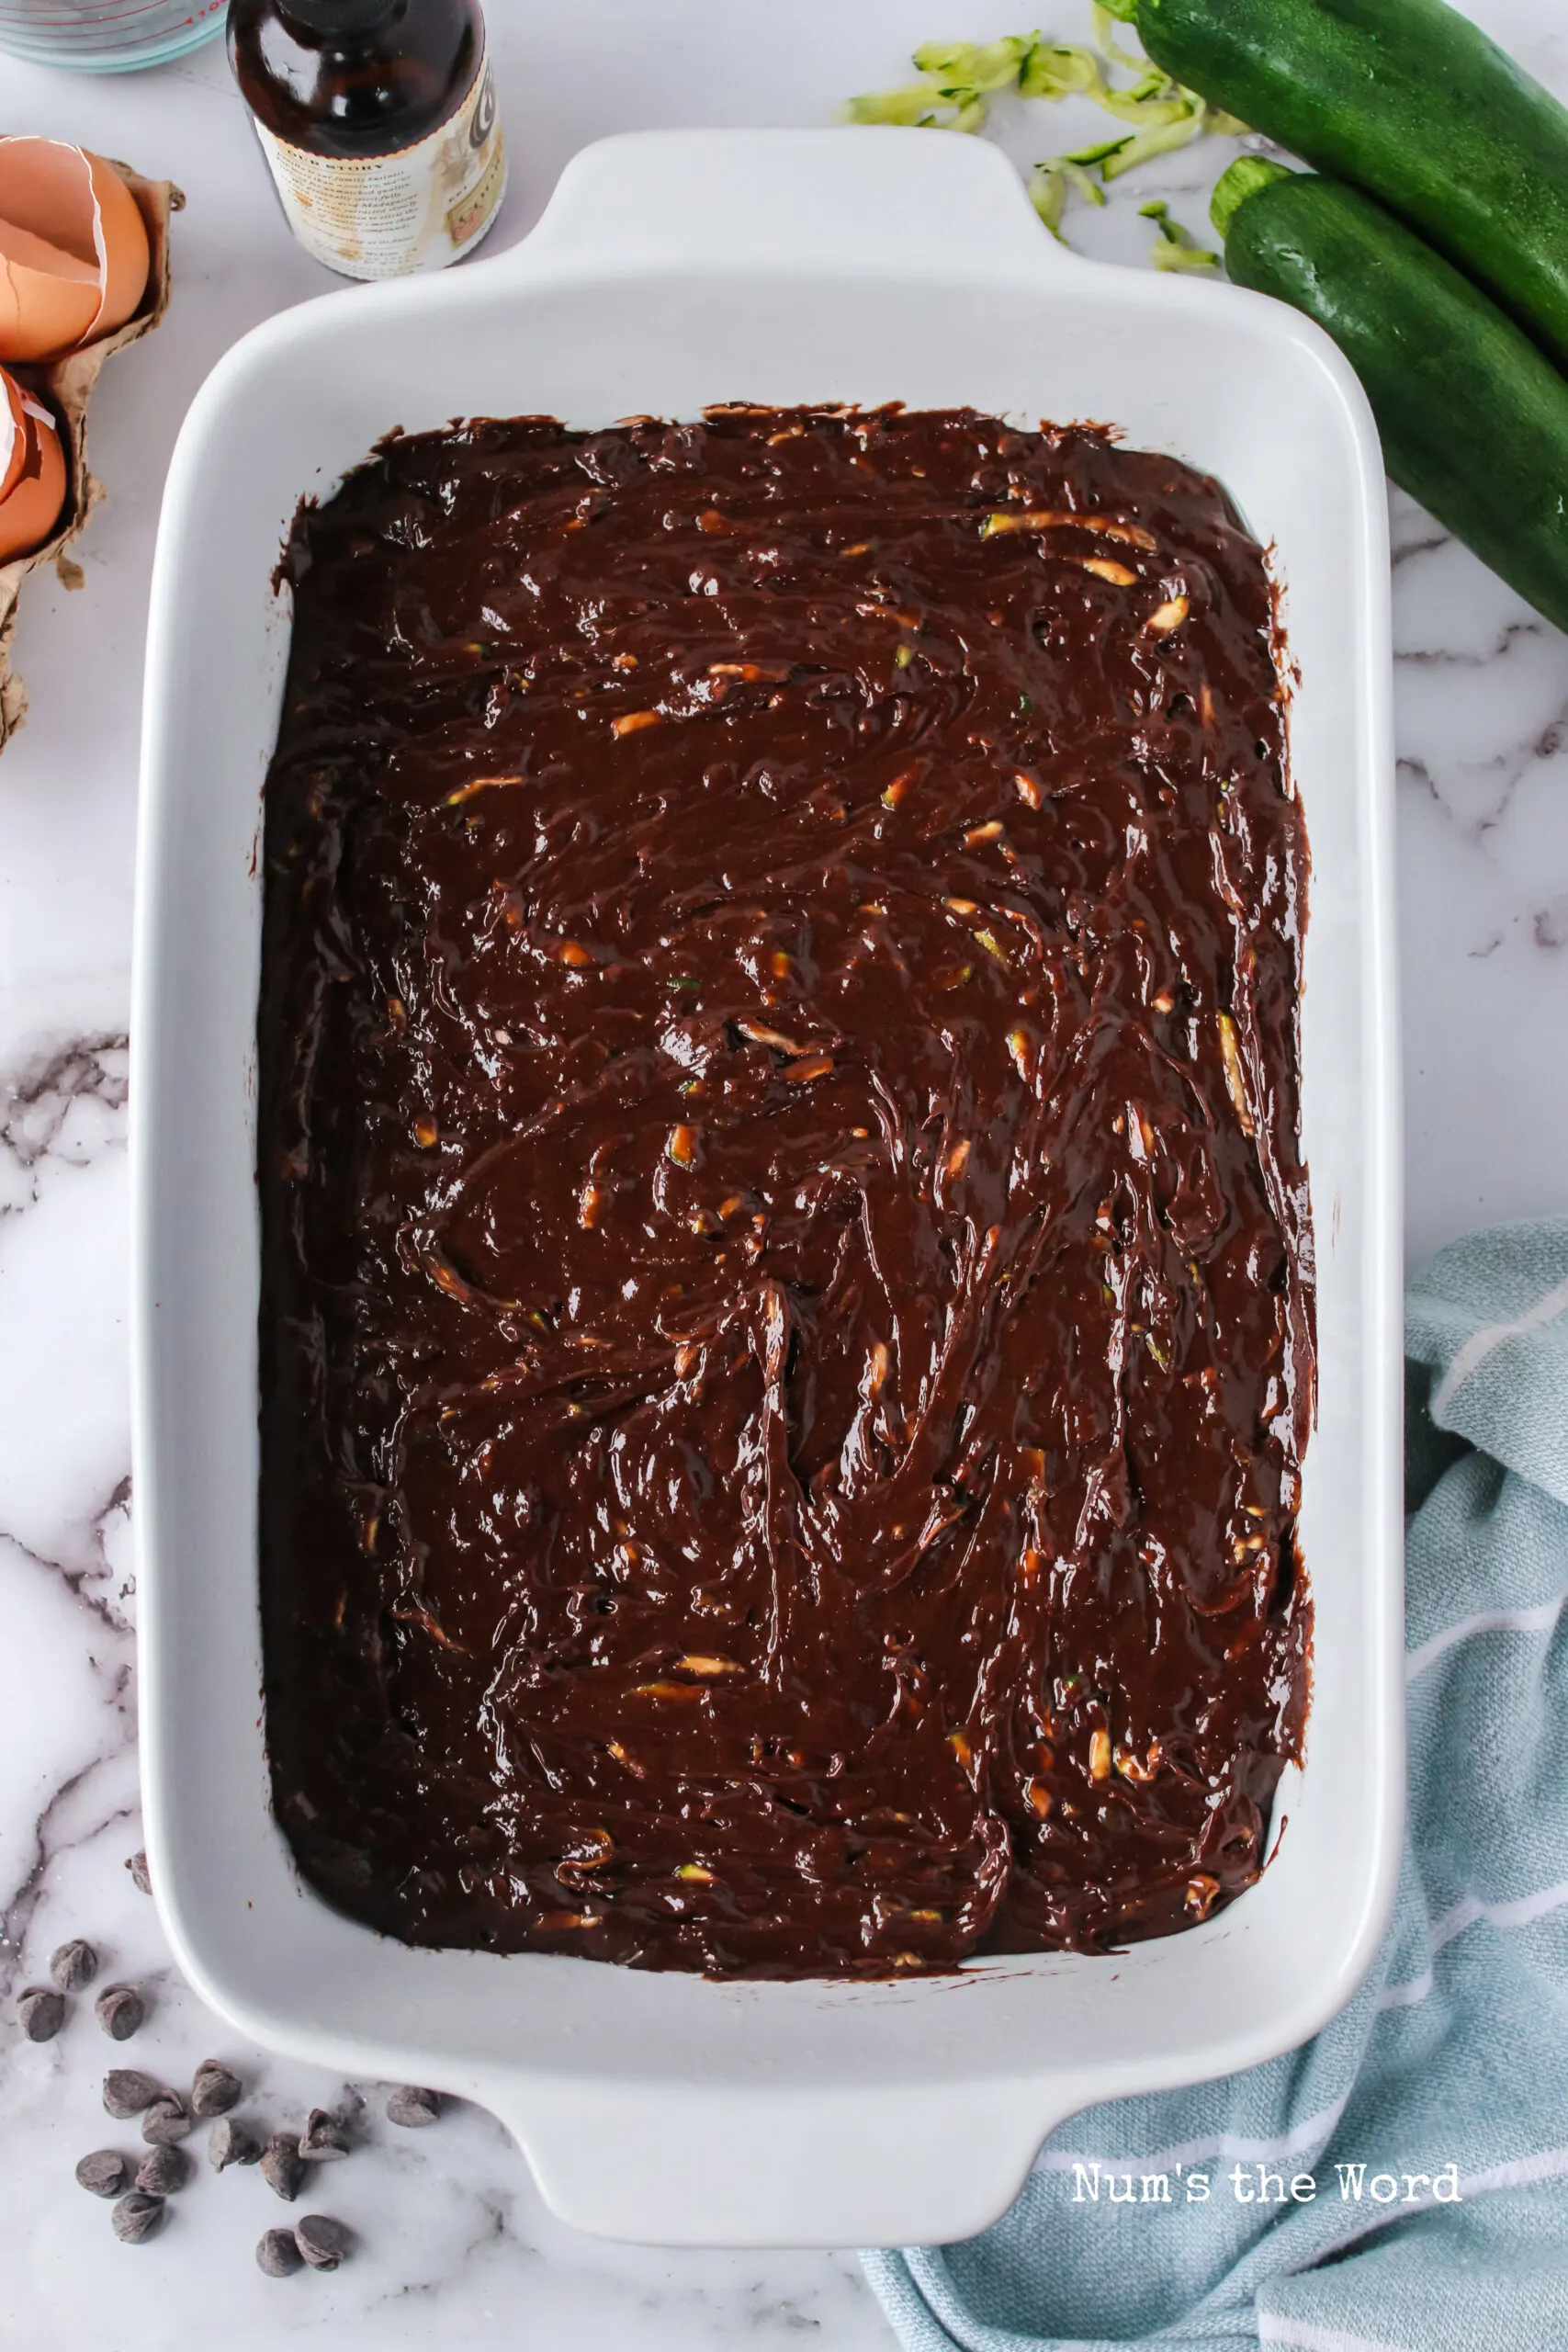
(671, 270)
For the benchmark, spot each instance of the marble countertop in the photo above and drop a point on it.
(457, 2246)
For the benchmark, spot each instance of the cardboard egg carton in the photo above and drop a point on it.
(67, 386)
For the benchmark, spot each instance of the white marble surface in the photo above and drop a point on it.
(457, 2246)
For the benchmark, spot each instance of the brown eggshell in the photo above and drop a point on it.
(48, 209)
(73, 250)
(30, 508)
(125, 253)
(43, 312)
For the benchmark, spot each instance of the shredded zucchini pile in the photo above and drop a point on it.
(958, 78)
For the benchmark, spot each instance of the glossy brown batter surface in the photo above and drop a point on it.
(787, 1327)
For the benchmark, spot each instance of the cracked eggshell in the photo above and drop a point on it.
(73, 249)
(32, 471)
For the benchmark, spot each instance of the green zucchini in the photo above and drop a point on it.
(1410, 101)
(1474, 419)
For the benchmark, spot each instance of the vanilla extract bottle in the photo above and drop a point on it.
(377, 119)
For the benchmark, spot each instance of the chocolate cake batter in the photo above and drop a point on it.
(787, 1322)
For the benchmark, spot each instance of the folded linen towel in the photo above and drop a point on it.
(1431, 2117)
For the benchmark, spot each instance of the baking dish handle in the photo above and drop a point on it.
(817, 198)
(867, 2163)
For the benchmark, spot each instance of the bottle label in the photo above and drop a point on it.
(387, 216)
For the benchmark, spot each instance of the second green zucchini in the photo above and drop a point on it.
(1473, 419)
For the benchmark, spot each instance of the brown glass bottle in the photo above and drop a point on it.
(377, 118)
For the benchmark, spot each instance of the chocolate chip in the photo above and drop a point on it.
(127, 2093)
(137, 1865)
(321, 2241)
(120, 2010)
(230, 2143)
(277, 2255)
(73, 1964)
(215, 2089)
(281, 2166)
(137, 2217)
(42, 2012)
(412, 2108)
(104, 2172)
(168, 2119)
(323, 2139)
(162, 2171)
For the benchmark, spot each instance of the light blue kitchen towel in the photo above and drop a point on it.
(1455, 2052)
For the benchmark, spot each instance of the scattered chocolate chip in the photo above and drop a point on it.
(323, 2139)
(230, 2143)
(104, 2172)
(277, 2255)
(137, 1865)
(120, 2010)
(73, 1964)
(412, 2108)
(42, 2012)
(281, 2166)
(168, 2119)
(162, 2171)
(215, 2089)
(127, 2093)
(321, 2241)
(137, 2217)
